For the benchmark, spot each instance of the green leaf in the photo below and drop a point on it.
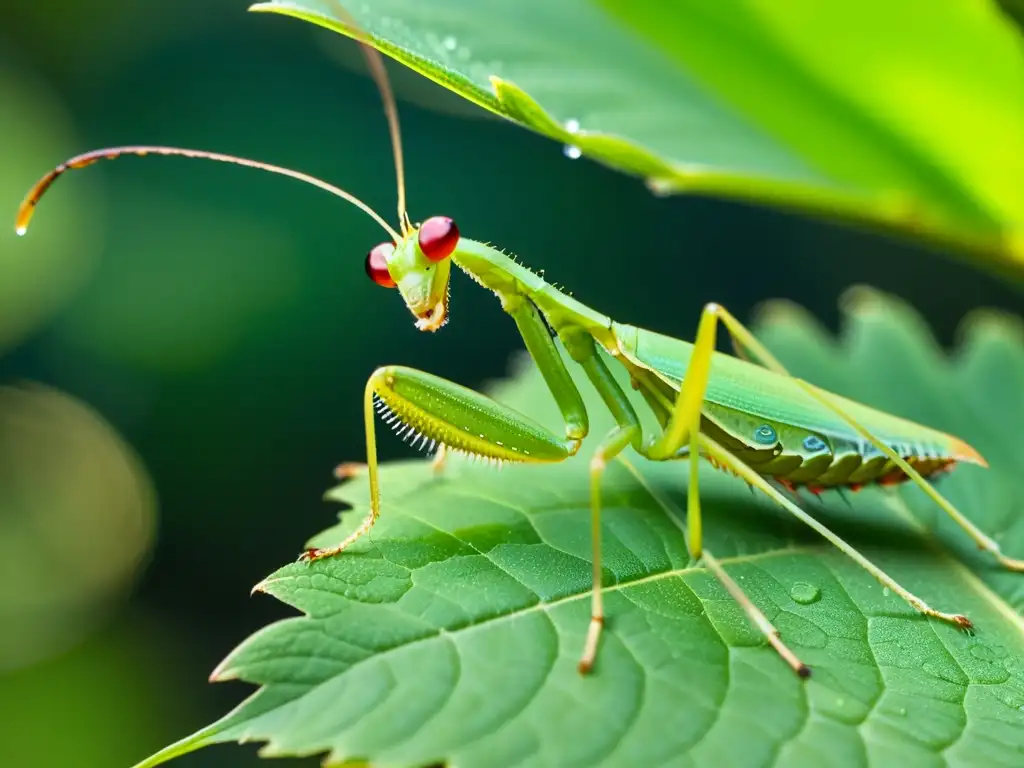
(904, 116)
(453, 635)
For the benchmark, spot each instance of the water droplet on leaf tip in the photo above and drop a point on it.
(450, 43)
(572, 152)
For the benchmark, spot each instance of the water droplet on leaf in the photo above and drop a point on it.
(450, 43)
(804, 593)
(572, 152)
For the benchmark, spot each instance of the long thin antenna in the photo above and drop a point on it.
(380, 77)
(28, 205)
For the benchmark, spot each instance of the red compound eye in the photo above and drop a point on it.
(377, 265)
(438, 237)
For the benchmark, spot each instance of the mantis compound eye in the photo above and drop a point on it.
(438, 237)
(377, 265)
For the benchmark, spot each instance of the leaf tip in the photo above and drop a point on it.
(862, 300)
(776, 311)
(263, 586)
(222, 673)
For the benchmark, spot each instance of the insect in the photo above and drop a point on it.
(750, 418)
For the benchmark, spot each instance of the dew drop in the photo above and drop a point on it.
(814, 443)
(660, 187)
(450, 43)
(765, 435)
(902, 711)
(886, 591)
(572, 125)
(804, 593)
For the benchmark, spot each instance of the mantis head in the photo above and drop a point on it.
(419, 265)
(416, 260)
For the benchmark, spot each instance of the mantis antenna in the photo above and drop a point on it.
(380, 78)
(28, 205)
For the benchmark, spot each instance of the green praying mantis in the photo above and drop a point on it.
(744, 414)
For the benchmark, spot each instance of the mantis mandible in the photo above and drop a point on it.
(753, 419)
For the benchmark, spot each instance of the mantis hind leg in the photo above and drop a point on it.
(730, 462)
(743, 338)
(684, 423)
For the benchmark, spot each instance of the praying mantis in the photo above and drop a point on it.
(745, 414)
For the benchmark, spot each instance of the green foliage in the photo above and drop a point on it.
(453, 634)
(857, 111)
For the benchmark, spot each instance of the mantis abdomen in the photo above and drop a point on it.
(778, 430)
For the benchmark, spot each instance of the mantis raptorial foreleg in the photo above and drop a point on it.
(685, 422)
(437, 409)
(742, 337)
(464, 420)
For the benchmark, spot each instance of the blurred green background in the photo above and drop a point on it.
(197, 337)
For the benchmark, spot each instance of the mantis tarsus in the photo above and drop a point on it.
(756, 421)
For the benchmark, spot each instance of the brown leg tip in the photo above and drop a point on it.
(310, 555)
(803, 671)
(963, 622)
(349, 469)
(585, 667)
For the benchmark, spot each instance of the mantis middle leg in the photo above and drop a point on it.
(628, 432)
